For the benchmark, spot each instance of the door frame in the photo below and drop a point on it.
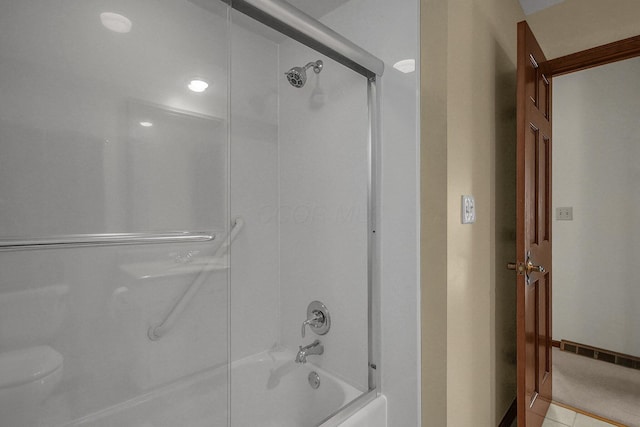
(594, 57)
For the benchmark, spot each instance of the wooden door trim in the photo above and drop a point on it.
(594, 57)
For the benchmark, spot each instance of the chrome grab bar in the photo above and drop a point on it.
(157, 331)
(106, 239)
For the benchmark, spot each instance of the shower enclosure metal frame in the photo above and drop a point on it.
(290, 21)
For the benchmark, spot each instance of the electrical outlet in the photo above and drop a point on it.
(564, 214)
(468, 212)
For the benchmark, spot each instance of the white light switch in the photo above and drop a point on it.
(564, 214)
(468, 213)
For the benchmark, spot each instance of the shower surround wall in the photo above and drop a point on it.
(389, 30)
(299, 178)
(323, 210)
(255, 254)
(373, 25)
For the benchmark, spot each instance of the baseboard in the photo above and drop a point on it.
(510, 415)
(601, 354)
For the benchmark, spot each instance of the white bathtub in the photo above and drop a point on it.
(267, 390)
(373, 414)
(271, 390)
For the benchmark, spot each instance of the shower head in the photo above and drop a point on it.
(297, 76)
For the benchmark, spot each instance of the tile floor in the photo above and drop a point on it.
(557, 416)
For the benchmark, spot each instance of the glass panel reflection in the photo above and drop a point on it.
(101, 132)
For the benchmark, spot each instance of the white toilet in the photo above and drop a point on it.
(27, 377)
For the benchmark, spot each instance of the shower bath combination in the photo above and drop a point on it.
(297, 76)
(145, 290)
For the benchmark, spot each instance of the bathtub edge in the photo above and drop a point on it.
(369, 410)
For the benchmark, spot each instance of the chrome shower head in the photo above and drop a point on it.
(297, 76)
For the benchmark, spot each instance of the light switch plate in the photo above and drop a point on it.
(468, 213)
(564, 214)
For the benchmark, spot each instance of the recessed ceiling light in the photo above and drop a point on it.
(146, 124)
(198, 85)
(405, 66)
(116, 22)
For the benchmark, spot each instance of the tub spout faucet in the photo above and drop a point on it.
(313, 348)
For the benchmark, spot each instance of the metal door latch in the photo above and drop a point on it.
(525, 269)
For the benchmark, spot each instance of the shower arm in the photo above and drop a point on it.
(317, 66)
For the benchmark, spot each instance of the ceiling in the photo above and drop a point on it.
(533, 6)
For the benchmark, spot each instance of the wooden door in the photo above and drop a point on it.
(533, 238)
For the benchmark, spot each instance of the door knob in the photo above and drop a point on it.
(527, 268)
(534, 268)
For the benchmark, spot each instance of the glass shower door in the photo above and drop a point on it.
(300, 176)
(114, 214)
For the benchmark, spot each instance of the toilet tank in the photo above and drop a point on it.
(30, 317)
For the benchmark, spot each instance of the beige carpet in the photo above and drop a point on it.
(601, 388)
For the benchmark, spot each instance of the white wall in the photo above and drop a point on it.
(323, 209)
(390, 31)
(596, 298)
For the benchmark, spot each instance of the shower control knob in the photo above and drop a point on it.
(318, 319)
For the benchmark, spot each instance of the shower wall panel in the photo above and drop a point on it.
(255, 287)
(390, 30)
(323, 209)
